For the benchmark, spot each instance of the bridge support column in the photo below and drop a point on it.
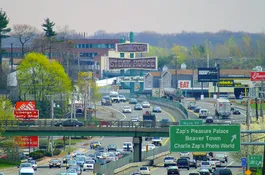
(137, 149)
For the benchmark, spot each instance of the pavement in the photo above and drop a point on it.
(107, 113)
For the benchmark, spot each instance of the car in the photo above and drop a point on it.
(67, 158)
(183, 163)
(122, 98)
(173, 170)
(88, 165)
(203, 113)
(79, 154)
(209, 119)
(2, 173)
(133, 101)
(127, 146)
(222, 157)
(144, 170)
(222, 172)
(99, 155)
(26, 171)
(112, 147)
(184, 154)
(217, 162)
(34, 164)
(227, 123)
(100, 149)
(164, 123)
(118, 154)
(204, 171)
(231, 97)
(193, 163)
(77, 169)
(105, 155)
(148, 138)
(74, 153)
(146, 104)
(169, 161)
(111, 158)
(194, 174)
(72, 171)
(55, 163)
(197, 109)
(157, 109)
(94, 145)
(71, 163)
(91, 156)
(127, 109)
(106, 101)
(80, 161)
(136, 173)
(236, 111)
(25, 165)
(70, 123)
(101, 161)
(138, 106)
(157, 141)
(207, 165)
(135, 118)
(192, 105)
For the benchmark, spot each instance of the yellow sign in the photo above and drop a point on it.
(85, 76)
(248, 172)
(225, 83)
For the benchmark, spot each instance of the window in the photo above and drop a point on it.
(83, 46)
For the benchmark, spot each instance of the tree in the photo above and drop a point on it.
(49, 33)
(233, 48)
(6, 112)
(38, 77)
(179, 54)
(195, 52)
(24, 33)
(4, 30)
(163, 54)
(221, 51)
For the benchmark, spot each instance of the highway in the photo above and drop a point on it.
(106, 113)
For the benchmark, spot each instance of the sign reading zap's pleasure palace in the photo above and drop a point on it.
(135, 63)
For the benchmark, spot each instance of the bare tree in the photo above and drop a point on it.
(65, 33)
(24, 33)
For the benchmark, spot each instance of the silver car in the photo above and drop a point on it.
(146, 104)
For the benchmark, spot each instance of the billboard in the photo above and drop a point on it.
(184, 84)
(226, 83)
(257, 76)
(149, 63)
(26, 110)
(132, 79)
(27, 141)
(208, 75)
(132, 47)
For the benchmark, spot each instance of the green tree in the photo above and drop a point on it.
(221, 51)
(39, 77)
(4, 30)
(6, 112)
(49, 33)
(163, 55)
(202, 50)
(234, 51)
(179, 53)
(195, 52)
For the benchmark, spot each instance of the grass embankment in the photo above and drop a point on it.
(254, 106)
(65, 152)
(5, 165)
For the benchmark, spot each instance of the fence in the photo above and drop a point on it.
(153, 152)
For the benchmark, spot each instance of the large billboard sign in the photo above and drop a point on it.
(26, 110)
(132, 79)
(257, 76)
(132, 47)
(148, 63)
(208, 75)
(184, 84)
(27, 141)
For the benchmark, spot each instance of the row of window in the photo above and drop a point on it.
(87, 54)
(98, 46)
(15, 54)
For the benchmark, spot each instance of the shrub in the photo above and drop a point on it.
(37, 154)
(56, 152)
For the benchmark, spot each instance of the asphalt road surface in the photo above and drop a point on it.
(109, 113)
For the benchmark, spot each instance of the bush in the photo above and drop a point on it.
(56, 152)
(37, 154)
(58, 143)
(48, 154)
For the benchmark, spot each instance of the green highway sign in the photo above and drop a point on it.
(214, 138)
(255, 161)
(190, 122)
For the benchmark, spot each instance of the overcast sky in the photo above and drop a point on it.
(164, 16)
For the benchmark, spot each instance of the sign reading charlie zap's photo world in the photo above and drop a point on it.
(133, 63)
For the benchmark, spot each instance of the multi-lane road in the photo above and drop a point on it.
(106, 113)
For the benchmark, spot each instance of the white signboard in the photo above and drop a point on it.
(132, 79)
(184, 84)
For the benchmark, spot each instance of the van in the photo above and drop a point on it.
(26, 171)
(203, 113)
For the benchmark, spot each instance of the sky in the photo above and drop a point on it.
(162, 16)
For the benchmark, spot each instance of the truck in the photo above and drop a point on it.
(114, 96)
(200, 156)
(222, 108)
(173, 94)
(149, 119)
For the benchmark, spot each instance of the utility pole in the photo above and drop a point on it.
(52, 116)
(89, 98)
(248, 121)
(11, 58)
(193, 66)
(261, 100)
(85, 102)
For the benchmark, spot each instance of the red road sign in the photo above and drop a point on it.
(27, 141)
(257, 76)
(26, 114)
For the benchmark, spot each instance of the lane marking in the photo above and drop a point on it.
(118, 112)
(229, 164)
(173, 120)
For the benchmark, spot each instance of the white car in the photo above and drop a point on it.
(122, 98)
(88, 165)
(169, 161)
(127, 146)
(146, 104)
(207, 165)
(127, 109)
(203, 113)
(204, 171)
(184, 154)
(144, 170)
(217, 162)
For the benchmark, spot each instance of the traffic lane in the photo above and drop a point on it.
(54, 171)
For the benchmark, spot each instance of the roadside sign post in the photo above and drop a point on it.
(214, 138)
(255, 161)
(244, 164)
(190, 122)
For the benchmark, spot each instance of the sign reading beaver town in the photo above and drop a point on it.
(132, 47)
(136, 63)
(204, 138)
